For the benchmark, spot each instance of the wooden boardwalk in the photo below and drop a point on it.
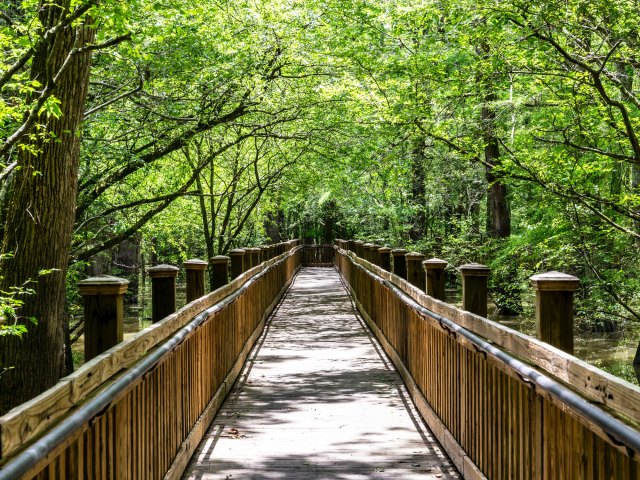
(318, 399)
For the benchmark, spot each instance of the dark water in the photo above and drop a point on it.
(137, 317)
(613, 352)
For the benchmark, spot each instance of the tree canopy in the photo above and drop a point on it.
(496, 131)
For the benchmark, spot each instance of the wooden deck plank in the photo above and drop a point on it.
(317, 399)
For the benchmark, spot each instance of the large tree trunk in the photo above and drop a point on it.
(505, 289)
(40, 217)
(498, 213)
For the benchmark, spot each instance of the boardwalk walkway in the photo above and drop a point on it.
(318, 399)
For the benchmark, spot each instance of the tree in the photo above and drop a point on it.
(41, 208)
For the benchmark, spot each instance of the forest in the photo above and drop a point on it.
(498, 131)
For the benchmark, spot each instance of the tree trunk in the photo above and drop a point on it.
(418, 218)
(505, 291)
(40, 218)
(498, 214)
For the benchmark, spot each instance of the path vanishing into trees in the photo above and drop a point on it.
(318, 398)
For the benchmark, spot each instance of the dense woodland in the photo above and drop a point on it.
(497, 131)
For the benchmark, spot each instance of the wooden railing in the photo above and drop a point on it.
(317, 255)
(139, 410)
(503, 405)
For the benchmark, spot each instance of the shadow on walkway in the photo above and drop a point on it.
(317, 399)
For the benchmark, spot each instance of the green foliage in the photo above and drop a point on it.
(369, 118)
(12, 323)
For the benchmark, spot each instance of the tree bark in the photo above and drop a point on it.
(41, 213)
(418, 218)
(498, 213)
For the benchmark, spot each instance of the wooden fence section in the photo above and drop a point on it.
(317, 255)
(148, 408)
(498, 416)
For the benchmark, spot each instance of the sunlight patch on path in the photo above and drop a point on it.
(316, 400)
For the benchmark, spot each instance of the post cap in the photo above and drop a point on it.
(103, 285)
(236, 251)
(195, 264)
(358, 242)
(384, 250)
(414, 256)
(219, 259)
(554, 281)
(367, 245)
(474, 270)
(396, 252)
(435, 264)
(163, 270)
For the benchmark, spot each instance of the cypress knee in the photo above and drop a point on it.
(474, 288)
(435, 277)
(554, 308)
(195, 278)
(163, 291)
(103, 313)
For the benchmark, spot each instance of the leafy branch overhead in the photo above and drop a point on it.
(498, 131)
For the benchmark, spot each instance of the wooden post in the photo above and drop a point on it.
(385, 258)
(359, 250)
(163, 291)
(351, 245)
(195, 278)
(250, 258)
(237, 262)
(399, 262)
(435, 276)
(219, 271)
(103, 313)
(375, 254)
(554, 308)
(366, 251)
(474, 288)
(415, 272)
